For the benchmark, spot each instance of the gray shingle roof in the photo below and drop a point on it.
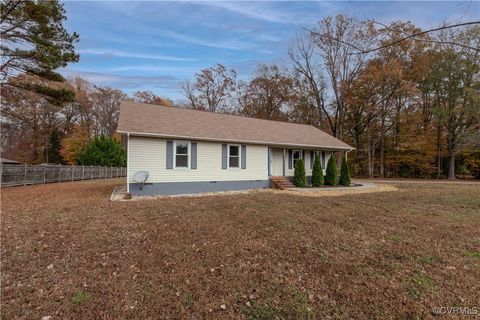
(172, 122)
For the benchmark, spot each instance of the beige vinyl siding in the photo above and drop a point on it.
(150, 154)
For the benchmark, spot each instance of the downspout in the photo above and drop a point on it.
(346, 154)
(128, 159)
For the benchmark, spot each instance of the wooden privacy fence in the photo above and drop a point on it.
(18, 175)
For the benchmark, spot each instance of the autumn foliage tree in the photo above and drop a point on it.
(74, 144)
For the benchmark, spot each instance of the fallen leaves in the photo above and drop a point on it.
(258, 253)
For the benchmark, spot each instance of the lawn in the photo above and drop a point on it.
(67, 252)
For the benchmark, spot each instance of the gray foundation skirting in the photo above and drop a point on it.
(175, 188)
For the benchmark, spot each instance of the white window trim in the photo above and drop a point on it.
(239, 156)
(189, 153)
(293, 156)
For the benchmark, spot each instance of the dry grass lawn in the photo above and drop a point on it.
(69, 253)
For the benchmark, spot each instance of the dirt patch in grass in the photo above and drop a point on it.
(68, 252)
(340, 191)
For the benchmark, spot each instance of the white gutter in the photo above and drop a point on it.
(159, 135)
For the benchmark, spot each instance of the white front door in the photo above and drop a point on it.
(277, 162)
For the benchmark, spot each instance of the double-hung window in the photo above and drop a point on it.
(181, 154)
(297, 155)
(234, 156)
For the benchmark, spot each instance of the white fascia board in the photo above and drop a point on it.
(160, 135)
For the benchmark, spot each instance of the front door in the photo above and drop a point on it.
(277, 161)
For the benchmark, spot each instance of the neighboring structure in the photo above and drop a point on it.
(188, 151)
(8, 161)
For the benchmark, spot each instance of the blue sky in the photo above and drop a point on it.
(156, 45)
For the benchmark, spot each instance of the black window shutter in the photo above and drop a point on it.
(169, 154)
(224, 156)
(290, 159)
(193, 156)
(323, 159)
(244, 156)
(312, 157)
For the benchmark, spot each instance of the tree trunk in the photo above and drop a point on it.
(451, 153)
(382, 158)
(451, 165)
(371, 155)
(370, 173)
(439, 152)
(382, 151)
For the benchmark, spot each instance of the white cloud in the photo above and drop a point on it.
(156, 68)
(269, 11)
(125, 54)
(229, 44)
(124, 82)
(246, 9)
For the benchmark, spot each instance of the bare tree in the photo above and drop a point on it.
(268, 95)
(333, 37)
(308, 71)
(151, 98)
(106, 110)
(189, 91)
(211, 88)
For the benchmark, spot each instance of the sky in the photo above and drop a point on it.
(157, 45)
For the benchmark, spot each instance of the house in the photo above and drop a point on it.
(188, 151)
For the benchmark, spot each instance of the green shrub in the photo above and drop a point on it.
(331, 178)
(299, 179)
(317, 172)
(103, 151)
(345, 173)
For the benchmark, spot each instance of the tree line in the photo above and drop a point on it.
(37, 131)
(406, 99)
(410, 107)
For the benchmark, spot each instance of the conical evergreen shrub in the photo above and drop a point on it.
(332, 172)
(317, 172)
(345, 173)
(299, 177)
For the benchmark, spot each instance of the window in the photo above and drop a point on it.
(297, 154)
(233, 156)
(181, 154)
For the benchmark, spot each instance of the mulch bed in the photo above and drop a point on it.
(70, 253)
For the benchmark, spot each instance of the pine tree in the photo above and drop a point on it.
(345, 173)
(332, 172)
(299, 179)
(36, 43)
(53, 151)
(317, 172)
